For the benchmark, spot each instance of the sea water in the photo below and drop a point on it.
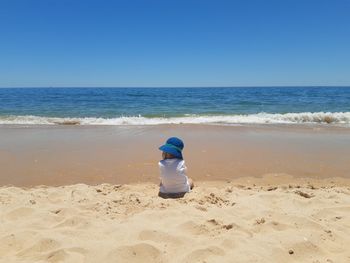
(152, 106)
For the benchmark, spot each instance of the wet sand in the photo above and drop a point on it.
(61, 155)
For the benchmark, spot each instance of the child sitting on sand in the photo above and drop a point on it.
(173, 179)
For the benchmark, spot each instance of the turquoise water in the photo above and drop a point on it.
(175, 105)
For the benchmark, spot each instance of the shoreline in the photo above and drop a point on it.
(290, 126)
(335, 118)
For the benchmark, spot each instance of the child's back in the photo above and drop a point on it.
(173, 176)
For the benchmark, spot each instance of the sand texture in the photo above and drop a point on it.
(217, 222)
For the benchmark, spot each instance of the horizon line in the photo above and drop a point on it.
(167, 87)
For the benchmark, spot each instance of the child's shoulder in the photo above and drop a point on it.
(172, 162)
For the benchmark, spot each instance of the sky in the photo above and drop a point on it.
(174, 43)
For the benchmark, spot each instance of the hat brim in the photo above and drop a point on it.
(171, 150)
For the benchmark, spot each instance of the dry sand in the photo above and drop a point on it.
(248, 220)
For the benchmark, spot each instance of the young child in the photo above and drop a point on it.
(173, 178)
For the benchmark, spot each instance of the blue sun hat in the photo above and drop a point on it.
(173, 146)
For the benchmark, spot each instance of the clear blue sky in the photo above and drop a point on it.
(174, 43)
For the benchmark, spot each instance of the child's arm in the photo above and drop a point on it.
(182, 169)
(160, 177)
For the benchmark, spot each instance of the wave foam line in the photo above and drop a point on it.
(259, 118)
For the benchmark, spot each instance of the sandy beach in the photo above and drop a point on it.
(174, 131)
(235, 221)
(89, 194)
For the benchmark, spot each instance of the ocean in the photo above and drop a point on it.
(152, 106)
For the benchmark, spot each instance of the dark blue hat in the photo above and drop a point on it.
(173, 146)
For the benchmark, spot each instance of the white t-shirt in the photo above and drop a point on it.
(173, 176)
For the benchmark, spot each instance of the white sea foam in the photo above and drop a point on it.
(341, 118)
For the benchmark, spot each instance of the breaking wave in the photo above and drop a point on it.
(341, 118)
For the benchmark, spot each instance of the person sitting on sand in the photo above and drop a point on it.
(173, 179)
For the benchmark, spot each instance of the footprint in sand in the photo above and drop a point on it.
(194, 228)
(66, 255)
(204, 254)
(41, 246)
(19, 213)
(57, 256)
(141, 252)
(159, 237)
(77, 222)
